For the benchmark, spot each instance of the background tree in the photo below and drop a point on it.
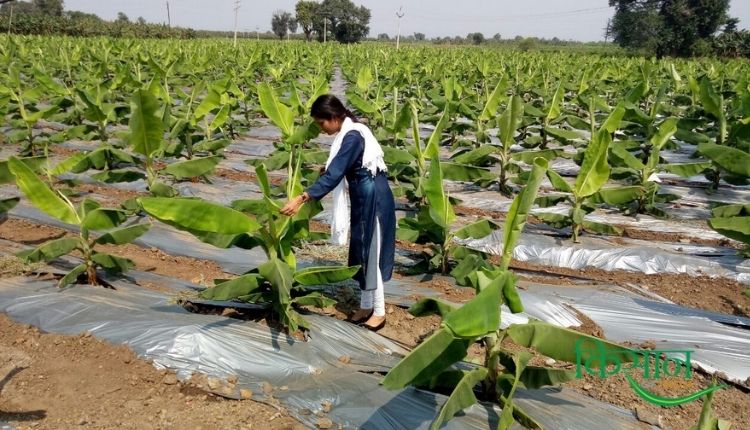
(668, 27)
(476, 38)
(281, 22)
(384, 36)
(20, 8)
(49, 7)
(122, 18)
(347, 22)
(497, 37)
(305, 13)
(141, 20)
(419, 37)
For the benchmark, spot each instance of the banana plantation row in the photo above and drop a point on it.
(164, 112)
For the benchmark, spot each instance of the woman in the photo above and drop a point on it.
(355, 172)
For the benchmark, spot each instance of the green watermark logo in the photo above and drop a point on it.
(593, 354)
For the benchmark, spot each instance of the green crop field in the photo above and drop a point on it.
(586, 147)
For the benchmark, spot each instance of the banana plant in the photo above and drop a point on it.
(733, 221)
(25, 104)
(411, 164)
(707, 420)
(431, 364)
(434, 224)
(728, 163)
(551, 113)
(642, 171)
(509, 122)
(97, 108)
(276, 284)
(88, 216)
(729, 154)
(587, 190)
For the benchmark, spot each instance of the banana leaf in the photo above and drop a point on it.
(430, 358)
(519, 210)
(430, 306)
(279, 114)
(193, 214)
(233, 289)
(146, 128)
(559, 343)
(41, 195)
(732, 160)
(464, 173)
(441, 210)
(735, 227)
(461, 398)
(50, 250)
(686, 170)
(192, 168)
(595, 169)
(324, 275)
(112, 263)
(123, 235)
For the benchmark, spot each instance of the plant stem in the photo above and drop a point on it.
(491, 362)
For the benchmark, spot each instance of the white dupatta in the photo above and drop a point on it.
(372, 160)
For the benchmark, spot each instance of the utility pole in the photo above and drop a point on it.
(10, 20)
(257, 33)
(607, 30)
(325, 28)
(400, 14)
(169, 17)
(236, 13)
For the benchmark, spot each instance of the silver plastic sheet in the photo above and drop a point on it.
(310, 371)
(550, 251)
(624, 316)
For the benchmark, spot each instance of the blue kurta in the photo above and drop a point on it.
(370, 197)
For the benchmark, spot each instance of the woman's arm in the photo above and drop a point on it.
(351, 151)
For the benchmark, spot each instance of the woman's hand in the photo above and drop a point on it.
(293, 206)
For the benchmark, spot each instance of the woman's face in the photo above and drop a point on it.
(329, 126)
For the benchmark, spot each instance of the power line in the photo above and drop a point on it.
(540, 16)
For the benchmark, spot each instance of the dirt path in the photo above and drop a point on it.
(50, 381)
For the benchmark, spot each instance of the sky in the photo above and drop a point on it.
(582, 20)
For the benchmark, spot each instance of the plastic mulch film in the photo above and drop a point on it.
(624, 316)
(550, 251)
(310, 373)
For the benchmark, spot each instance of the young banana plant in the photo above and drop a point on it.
(643, 173)
(434, 223)
(730, 158)
(25, 101)
(276, 284)
(411, 163)
(430, 365)
(88, 216)
(587, 191)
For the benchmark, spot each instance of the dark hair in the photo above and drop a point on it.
(330, 107)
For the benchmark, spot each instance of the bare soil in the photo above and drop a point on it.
(201, 272)
(51, 381)
(702, 292)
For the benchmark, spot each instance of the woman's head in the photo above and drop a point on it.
(329, 113)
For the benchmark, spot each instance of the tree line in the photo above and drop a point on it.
(678, 28)
(339, 20)
(49, 17)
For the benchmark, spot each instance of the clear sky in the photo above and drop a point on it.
(578, 20)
